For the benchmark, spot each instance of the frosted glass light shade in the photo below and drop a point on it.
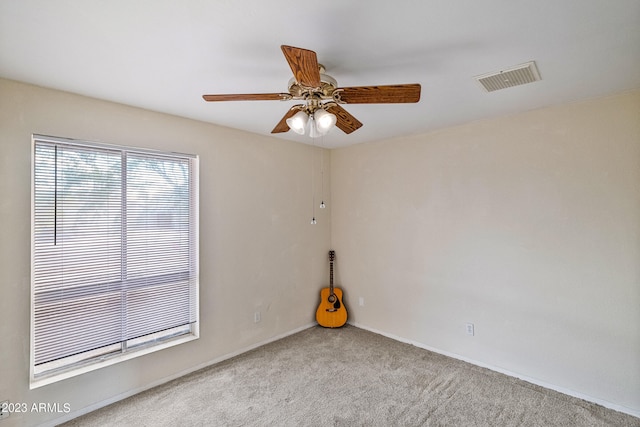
(298, 123)
(324, 121)
(313, 129)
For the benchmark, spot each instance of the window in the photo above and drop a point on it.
(114, 255)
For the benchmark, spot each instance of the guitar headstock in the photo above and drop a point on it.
(332, 256)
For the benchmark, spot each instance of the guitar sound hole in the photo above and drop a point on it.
(332, 299)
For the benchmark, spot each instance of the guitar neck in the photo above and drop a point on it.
(331, 277)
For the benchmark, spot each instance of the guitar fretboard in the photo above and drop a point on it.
(331, 277)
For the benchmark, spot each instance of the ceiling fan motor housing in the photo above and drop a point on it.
(325, 91)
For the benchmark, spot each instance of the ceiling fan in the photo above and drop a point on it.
(322, 97)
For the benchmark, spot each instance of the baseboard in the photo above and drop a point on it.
(605, 403)
(114, 399)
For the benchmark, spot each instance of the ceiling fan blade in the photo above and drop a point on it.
(391, 94)
(345, 121)
(248, 97)
(304, 64)
(282, 125)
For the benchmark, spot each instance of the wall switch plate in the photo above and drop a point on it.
(470, 329)
(361, 301)
(257, 317)
(4, 410)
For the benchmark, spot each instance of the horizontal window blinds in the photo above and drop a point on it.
(114, 247)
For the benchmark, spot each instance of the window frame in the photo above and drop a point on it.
(129, 348)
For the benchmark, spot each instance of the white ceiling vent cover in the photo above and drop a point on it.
(514, 76)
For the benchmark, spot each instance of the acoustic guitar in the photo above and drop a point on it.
(331, 312)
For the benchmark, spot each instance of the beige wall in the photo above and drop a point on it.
(258, 251)
(527, 226)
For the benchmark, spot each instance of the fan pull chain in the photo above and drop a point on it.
(313, 193)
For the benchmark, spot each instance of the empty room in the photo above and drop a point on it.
(336, 213)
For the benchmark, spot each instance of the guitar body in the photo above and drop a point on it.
(331, 314)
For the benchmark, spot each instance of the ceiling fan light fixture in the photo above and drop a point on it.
(311, 85)
(324, 121)
(313, 129)
(298, 122)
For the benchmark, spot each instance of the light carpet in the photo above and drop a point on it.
(349, 377)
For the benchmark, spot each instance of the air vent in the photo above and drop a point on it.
(514, 76)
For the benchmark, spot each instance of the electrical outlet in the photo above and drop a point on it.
(257, 317)
(470, 329)
(4, 410)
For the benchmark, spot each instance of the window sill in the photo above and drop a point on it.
(102, 362)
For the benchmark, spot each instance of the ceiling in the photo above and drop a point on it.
(163, 55)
